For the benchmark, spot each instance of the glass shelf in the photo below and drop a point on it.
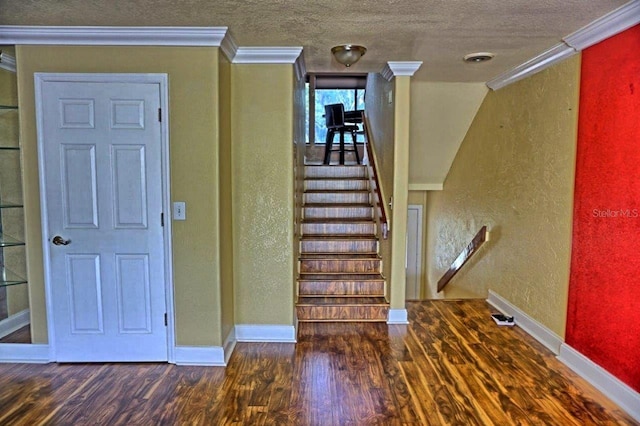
(7, 241)
(8, 205)
(8, 278)
(9, 142)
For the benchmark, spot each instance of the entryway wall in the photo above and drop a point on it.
(203, 112)
(194, 171)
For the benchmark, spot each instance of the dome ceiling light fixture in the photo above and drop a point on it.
(478, 57)
(348, 54)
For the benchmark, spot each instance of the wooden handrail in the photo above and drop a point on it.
(381, 214)
(463, 257)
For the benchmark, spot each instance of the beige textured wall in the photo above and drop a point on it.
(226, 196)
(381, 119)
(381, 115)
(441, 114)
(262, 135)
(514, 173)
(193, 81)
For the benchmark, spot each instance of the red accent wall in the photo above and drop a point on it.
(603, 320)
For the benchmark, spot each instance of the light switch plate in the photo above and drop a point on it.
(179, 210)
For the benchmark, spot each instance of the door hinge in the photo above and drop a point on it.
(161, 219)
(166, 320)
(160, 115)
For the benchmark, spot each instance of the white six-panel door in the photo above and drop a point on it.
(101, 155)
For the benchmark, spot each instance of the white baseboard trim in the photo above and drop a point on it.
(627, 398)
(538, 331)
(14, 322)
(212, 356)
(24, 353)
(398, 316)
(265, 333)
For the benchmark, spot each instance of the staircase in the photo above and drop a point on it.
(340, 272)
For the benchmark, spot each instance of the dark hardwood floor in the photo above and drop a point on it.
(452, 365)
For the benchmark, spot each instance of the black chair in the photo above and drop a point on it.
(334, 118)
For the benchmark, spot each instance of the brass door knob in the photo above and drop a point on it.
(59, 241)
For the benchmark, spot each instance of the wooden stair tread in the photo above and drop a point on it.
(339, 256)
(340, 277)
(332, 178)
(336, 191)
(338, 228)
(347, 296)
(303, 255)
(337, 205)
(342, 300)
(342, 273)
(338, 237)
(337, 220)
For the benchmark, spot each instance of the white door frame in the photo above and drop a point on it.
(419, 209)
(163, 81)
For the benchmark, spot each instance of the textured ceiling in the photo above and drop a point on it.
(437, 32)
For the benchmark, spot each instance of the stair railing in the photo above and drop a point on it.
(481, 237)
(381, 214)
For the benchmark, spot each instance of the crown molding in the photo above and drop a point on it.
(7, 62)
(113, 36)
(400, 68)
(557, 53)
(406, 68)
(610, 24)
(300, 67)
(263, 55)
(387, 73)
(602, 28)
(149, 36)
(229, 46)
(267, 55)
